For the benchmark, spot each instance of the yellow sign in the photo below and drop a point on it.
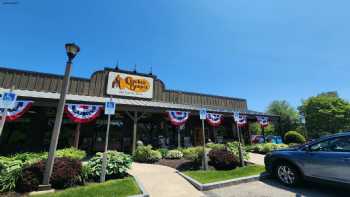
(137, 85)
(123, 84)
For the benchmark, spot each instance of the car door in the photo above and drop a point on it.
(329, 159)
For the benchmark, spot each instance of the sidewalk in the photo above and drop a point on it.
(163, 181)
(257, 158)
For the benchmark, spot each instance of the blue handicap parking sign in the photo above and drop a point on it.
(110, 108)
(203, 114)
(8, 100)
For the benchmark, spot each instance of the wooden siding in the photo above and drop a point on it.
(96, 86)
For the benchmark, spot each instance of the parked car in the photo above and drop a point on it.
(325, 159)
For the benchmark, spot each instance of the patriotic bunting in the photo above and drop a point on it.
(81, 113)
(178, 118)
(214, 120)
(241, 120)
(263, 121)
(20, 108)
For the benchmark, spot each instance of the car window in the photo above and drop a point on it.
(340, 144)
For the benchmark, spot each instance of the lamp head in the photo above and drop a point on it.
(72, 50)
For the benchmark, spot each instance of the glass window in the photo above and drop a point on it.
(340, 144)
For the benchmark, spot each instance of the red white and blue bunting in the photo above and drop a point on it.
(263, 121)
(214, 120)
(178, 118)
(241, 120)
(82, 113)
(20, 108)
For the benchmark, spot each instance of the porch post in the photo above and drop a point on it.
(134, 133)
(76, 136)
(178, 138)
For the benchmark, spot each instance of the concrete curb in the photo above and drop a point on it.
(220, 184)
(143, 190)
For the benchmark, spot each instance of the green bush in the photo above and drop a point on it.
(163, 152)
(66, 173)
(146, 154)
(213, 146)
(233, 147)
(10, 167)
(174, 154)
(72, 153)
(117, 165)
(29, 158)
(223, 159)
(10, 171)
(265, 148)
(194, 154)
(294, 137)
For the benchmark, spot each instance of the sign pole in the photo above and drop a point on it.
(205, 162)
(241, 159)
(3, 117)
(109, 110)
(104, 160)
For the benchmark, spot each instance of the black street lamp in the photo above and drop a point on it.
(72, 50)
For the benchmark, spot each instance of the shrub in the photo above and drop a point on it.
(294, 137)
(117, 165)
(29, 158)
(163, 152)
(146, 154)
(10, 171)
(174, 154)
(72, 153)
(265, 148)
(223, 159)
(213, 146)
(194, 154)
(268, 147)
(233, 148)
(66, 173)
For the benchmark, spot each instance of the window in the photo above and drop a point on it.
(340, 144)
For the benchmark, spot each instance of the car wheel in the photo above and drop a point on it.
(287, 174)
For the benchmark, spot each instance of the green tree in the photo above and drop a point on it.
(326, 113)
(288, 116)
(255, 129)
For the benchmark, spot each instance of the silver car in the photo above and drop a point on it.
(325, 159)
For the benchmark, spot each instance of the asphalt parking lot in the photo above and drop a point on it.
(272, 188)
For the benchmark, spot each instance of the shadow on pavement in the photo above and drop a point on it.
(311, 189)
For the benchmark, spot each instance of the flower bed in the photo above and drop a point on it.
(23, 172)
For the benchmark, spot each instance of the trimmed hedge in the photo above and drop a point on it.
(294, 137)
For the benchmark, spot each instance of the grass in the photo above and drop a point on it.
(121, 188)
(222, 175)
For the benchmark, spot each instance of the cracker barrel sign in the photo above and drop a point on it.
(122, 84)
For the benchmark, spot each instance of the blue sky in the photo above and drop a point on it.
(258, 50)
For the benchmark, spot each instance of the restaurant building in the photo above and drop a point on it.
(143, 102)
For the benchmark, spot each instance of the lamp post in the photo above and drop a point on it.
(72, 50)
